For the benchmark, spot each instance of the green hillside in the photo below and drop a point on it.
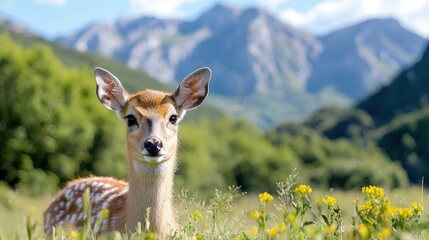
(395, 119)
(408, 92)
(133, 80)
(54, 129)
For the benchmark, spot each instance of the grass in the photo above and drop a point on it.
(15, 207)
(294, 212)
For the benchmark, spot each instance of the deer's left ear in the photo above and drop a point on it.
(193, 89)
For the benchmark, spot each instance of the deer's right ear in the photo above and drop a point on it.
(110, 91)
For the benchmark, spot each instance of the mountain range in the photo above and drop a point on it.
(252, 52)
(263, 68)
(357, 60)
(248, 50)
(395, 117)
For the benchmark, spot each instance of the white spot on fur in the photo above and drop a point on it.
(108, 200)
(73, 218)
(68, 204)
(79, 202)
(96, 199)
(107, 193)
(69, 194)
(93, 185)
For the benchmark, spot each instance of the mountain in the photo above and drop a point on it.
(14, 26)
(262, 67)
(408, 92)
(259, 63)
(248, 50)
(405, 95)
(395, 118)
(253, 53)
(357, 60)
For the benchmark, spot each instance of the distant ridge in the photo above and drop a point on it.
(357, 60)
(262, 67)
(252, 52)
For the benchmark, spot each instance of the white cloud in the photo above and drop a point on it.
(271, 4)
(59, 3)
(332, 14)
(160, 8)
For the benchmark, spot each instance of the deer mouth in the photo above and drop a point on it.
(151, 165)
(151, 159)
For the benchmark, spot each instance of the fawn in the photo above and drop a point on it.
(152, 119)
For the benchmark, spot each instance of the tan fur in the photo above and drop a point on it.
(151, 157)
(142, 192)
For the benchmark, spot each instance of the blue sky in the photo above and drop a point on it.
(55, 17)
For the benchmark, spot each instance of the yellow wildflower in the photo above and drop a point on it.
(366, 207)
(391, 211)
(291, 218)
(373, 191)
(303, 189)
(265, 197)
(255, 214)
(383, 234)
(329, 201)
(104, 213)
(32, 210)
(281, 227)
(329, 229)
(370, 207)
(404, 213)
(196, 215)
(74, 234)
(254, 231)
(151, 235)
(272, 232)
(200, 236)
(363, 231)
(417, 208)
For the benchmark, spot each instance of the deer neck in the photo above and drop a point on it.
(154, 192)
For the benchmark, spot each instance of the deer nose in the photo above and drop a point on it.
(153, 146)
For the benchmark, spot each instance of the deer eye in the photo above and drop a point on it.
(173, 119)
(131, 121)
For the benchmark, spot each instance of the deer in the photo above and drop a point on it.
(151, 118)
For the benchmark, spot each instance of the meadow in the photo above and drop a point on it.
(294, 211)
(40, 152)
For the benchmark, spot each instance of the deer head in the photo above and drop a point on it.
(151, 117)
